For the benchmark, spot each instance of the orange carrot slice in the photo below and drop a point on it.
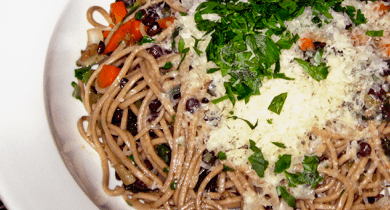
(307, 44)
(118, 11)
(107, 75)
(166, 22)
(129, 31)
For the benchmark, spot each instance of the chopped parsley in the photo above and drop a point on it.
(282, 164)
(318, 71)
(259, 164)
(247, 122)
(375, 33)
(290, 200)
(183, 51)
(269, 121)
(167, 65)
(196, 46)
(278, 144)
(277, 103)
(76, 91)
(173, 184)
(221, 155)
(227, 168)
(146, 39)
(309, 175)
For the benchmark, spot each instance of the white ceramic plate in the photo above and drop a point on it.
(37, 172)
(64, 111)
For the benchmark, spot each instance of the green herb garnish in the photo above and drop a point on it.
(375, 33)
(278, 144)
(282, 164)
(247, 122)
(259, 164)
(318, 70)
(183, 51)
(277, 103)
(173, 184)
(309, 175)
(227, 168)
(76, 91)
(146, 39)
(290, 200)
(221, 155)
(167, 65)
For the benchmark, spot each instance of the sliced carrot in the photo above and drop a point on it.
(307, 44)
(105, 33)
(129, 31)
(107, 75)
(383, 8)
(118, 11)
(166, 22)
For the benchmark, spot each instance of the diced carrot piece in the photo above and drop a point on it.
(306, 44)
(166, 22)
(129, 31)
(118, 11)
(105, 34)
(107, 75)
(383, 8)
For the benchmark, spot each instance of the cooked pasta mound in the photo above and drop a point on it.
(226, 104)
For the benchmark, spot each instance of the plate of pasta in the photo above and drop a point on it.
(225, 104)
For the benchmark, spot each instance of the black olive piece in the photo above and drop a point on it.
(140, 15)
(340, 154)
(154, 105)
(268, 208)
(192, 105)
(156, 51)
(375, 198)
(319, 45)
(101, 47)
(365, 149)
(153, 29)
(385, 143)
(377, 93)
(177, 96)
(153, 115)
(132, 123)
(211, 186)
(347, 27)
(148, 21)
(152, 134)
(323, 157)
(137, 186)
(205, 100)
(148, 164)
(117, 117)
(123, 82)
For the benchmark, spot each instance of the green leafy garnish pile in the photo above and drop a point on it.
(241, 44)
